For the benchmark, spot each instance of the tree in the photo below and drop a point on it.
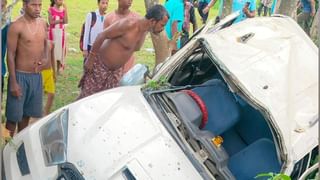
(315, 29)
(160, 42)
(288, 8)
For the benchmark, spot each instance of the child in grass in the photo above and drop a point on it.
(49, 78)
(58, 18)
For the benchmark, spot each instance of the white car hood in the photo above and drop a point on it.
(117, 129)
(278, 68)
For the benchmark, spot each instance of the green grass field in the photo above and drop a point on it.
(66, 86)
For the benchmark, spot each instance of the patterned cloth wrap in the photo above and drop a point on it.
(101, 78)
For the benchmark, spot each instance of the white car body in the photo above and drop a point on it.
(117, 130)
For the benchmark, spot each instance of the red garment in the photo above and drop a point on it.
(56, 15)
(101, 78)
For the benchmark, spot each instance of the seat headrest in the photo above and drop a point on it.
(223, 110)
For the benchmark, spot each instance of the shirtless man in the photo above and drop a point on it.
(27, 52)
(114, 46)
(123, 11)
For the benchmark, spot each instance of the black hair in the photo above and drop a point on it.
(99, 1)
(51, 3)
(26, 1)
(157, 12)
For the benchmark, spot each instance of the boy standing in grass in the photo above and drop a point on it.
(91, 32)
(49, 78)
(27, 54)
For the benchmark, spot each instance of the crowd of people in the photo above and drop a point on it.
(35, 49)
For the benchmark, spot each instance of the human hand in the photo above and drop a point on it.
(312, 13)
(245, 10)
(88, 65)
(15, 89)
(176, 36)
(172, 46)
(195, 4)
(39, 66)
(85, 53)
(205, 10)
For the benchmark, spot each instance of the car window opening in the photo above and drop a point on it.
(248, 146)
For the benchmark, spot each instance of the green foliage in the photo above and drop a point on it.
(7, 140)
(273, 176)
(161, 83)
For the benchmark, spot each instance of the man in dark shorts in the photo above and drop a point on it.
(114, 46)
(27, 54)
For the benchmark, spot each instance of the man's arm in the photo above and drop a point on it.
(207, 8)
(250, 9)
(115, 30)
(313, 7)
(45, 54)
(106, 22)
(13, 36)
(140, 43)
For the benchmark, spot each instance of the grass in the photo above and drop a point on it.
(66, 86)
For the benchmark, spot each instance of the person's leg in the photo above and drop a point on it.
(14, 105)
(184, 37)
(23, 124)
(205, 16)
(34, 98)
(2, 87)
(265, 8)
(11, 127)
(193, 19)
(48, 88)
(58, 67)
(302, 20)
(260, 9)
(200, 10)
(269, 11)
(308, 24)
(50, 97)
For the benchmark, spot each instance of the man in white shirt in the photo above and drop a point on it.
(90, 33)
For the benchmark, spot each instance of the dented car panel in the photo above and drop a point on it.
(266, 71)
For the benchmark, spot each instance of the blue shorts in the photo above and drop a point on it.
(30, 104)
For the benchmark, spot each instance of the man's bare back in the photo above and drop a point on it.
(114, 46)
(116, 52)
(29, 37)
(122, 12)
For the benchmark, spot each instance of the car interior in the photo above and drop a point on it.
(209, 109)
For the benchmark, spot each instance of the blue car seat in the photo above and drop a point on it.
(223, 111)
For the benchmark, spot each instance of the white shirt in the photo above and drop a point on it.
(95, 30)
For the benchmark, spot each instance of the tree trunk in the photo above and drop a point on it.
(227, 7)
(288, 8)
(160, 42)
(315, 29)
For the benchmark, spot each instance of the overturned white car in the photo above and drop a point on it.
(240, 101)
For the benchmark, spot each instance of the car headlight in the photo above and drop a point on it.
(53, 137)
